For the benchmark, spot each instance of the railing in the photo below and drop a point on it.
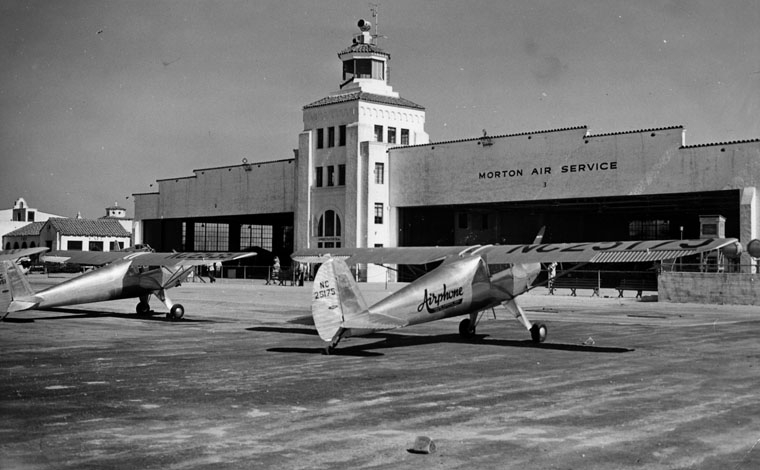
(266, 273)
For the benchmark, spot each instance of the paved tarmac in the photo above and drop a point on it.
(241, 383)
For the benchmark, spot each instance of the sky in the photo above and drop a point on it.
(101, 98)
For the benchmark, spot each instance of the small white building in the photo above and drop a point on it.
(71, 234)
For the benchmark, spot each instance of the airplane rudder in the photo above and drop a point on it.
(13, 284)
(326, 309)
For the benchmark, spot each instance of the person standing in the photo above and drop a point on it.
(212, 273)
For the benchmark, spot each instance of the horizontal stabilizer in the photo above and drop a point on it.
(374, 321)
(21, 305)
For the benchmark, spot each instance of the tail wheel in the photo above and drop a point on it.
(177, 311)
(466, 330)
(142, 308)
(538, 333)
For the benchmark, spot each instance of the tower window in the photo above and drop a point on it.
(331, 137)
(404, 136)
(378, 212)
(379, 173)
(364, 68)
(319, 176)
(330, 175)
(341, 175)
(342, 135)
(320, 138)
(378, 133)
(391, 135)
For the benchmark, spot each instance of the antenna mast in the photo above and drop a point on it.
(374, 8)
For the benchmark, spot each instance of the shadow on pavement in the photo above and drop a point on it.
(71, 313)
(395, 340)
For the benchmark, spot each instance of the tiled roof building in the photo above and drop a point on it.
(70, 234)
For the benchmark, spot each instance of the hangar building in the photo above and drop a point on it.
(366, 174)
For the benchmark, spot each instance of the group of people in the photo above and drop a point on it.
(276, 274)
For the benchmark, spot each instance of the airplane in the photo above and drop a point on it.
(463, 284)
(122, 275)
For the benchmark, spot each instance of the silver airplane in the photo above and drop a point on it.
(462, 285)
(123, 275)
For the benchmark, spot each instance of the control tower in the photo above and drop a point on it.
(343, 195)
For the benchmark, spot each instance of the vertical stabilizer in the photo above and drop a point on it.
(335, 298)
(13, 285)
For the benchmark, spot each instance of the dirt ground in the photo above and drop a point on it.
(241, 382)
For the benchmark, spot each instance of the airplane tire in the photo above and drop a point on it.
(465, 330)
(142, 308)
(177, 311)
(538, 333)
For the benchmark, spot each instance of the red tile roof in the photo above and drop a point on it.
(364, 96)
(32, 229)
(89, 227)
(363, 49)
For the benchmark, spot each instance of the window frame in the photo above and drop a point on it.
(404, 136)
(378, 133)
(342, 135)
(320, 138)
(319, 175)
(379, 173)
(391, 135)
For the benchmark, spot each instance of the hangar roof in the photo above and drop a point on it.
(364, 96)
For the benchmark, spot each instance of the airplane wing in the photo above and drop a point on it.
(395, 255)
(590, 252)
(144, 258)
(20, 253)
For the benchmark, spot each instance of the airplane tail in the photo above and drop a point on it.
(13, 285)
(335, 298)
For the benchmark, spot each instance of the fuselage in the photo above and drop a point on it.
(118, 280)
(459, 287)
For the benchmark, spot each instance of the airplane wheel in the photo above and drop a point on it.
(538, 333)
(465, 330)
(143, 308)
(177, 311)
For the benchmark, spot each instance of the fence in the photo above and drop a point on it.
(267, 273)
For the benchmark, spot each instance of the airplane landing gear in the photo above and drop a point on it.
(466, 329)
(538, 333)
(143, 308)
(177, 311)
